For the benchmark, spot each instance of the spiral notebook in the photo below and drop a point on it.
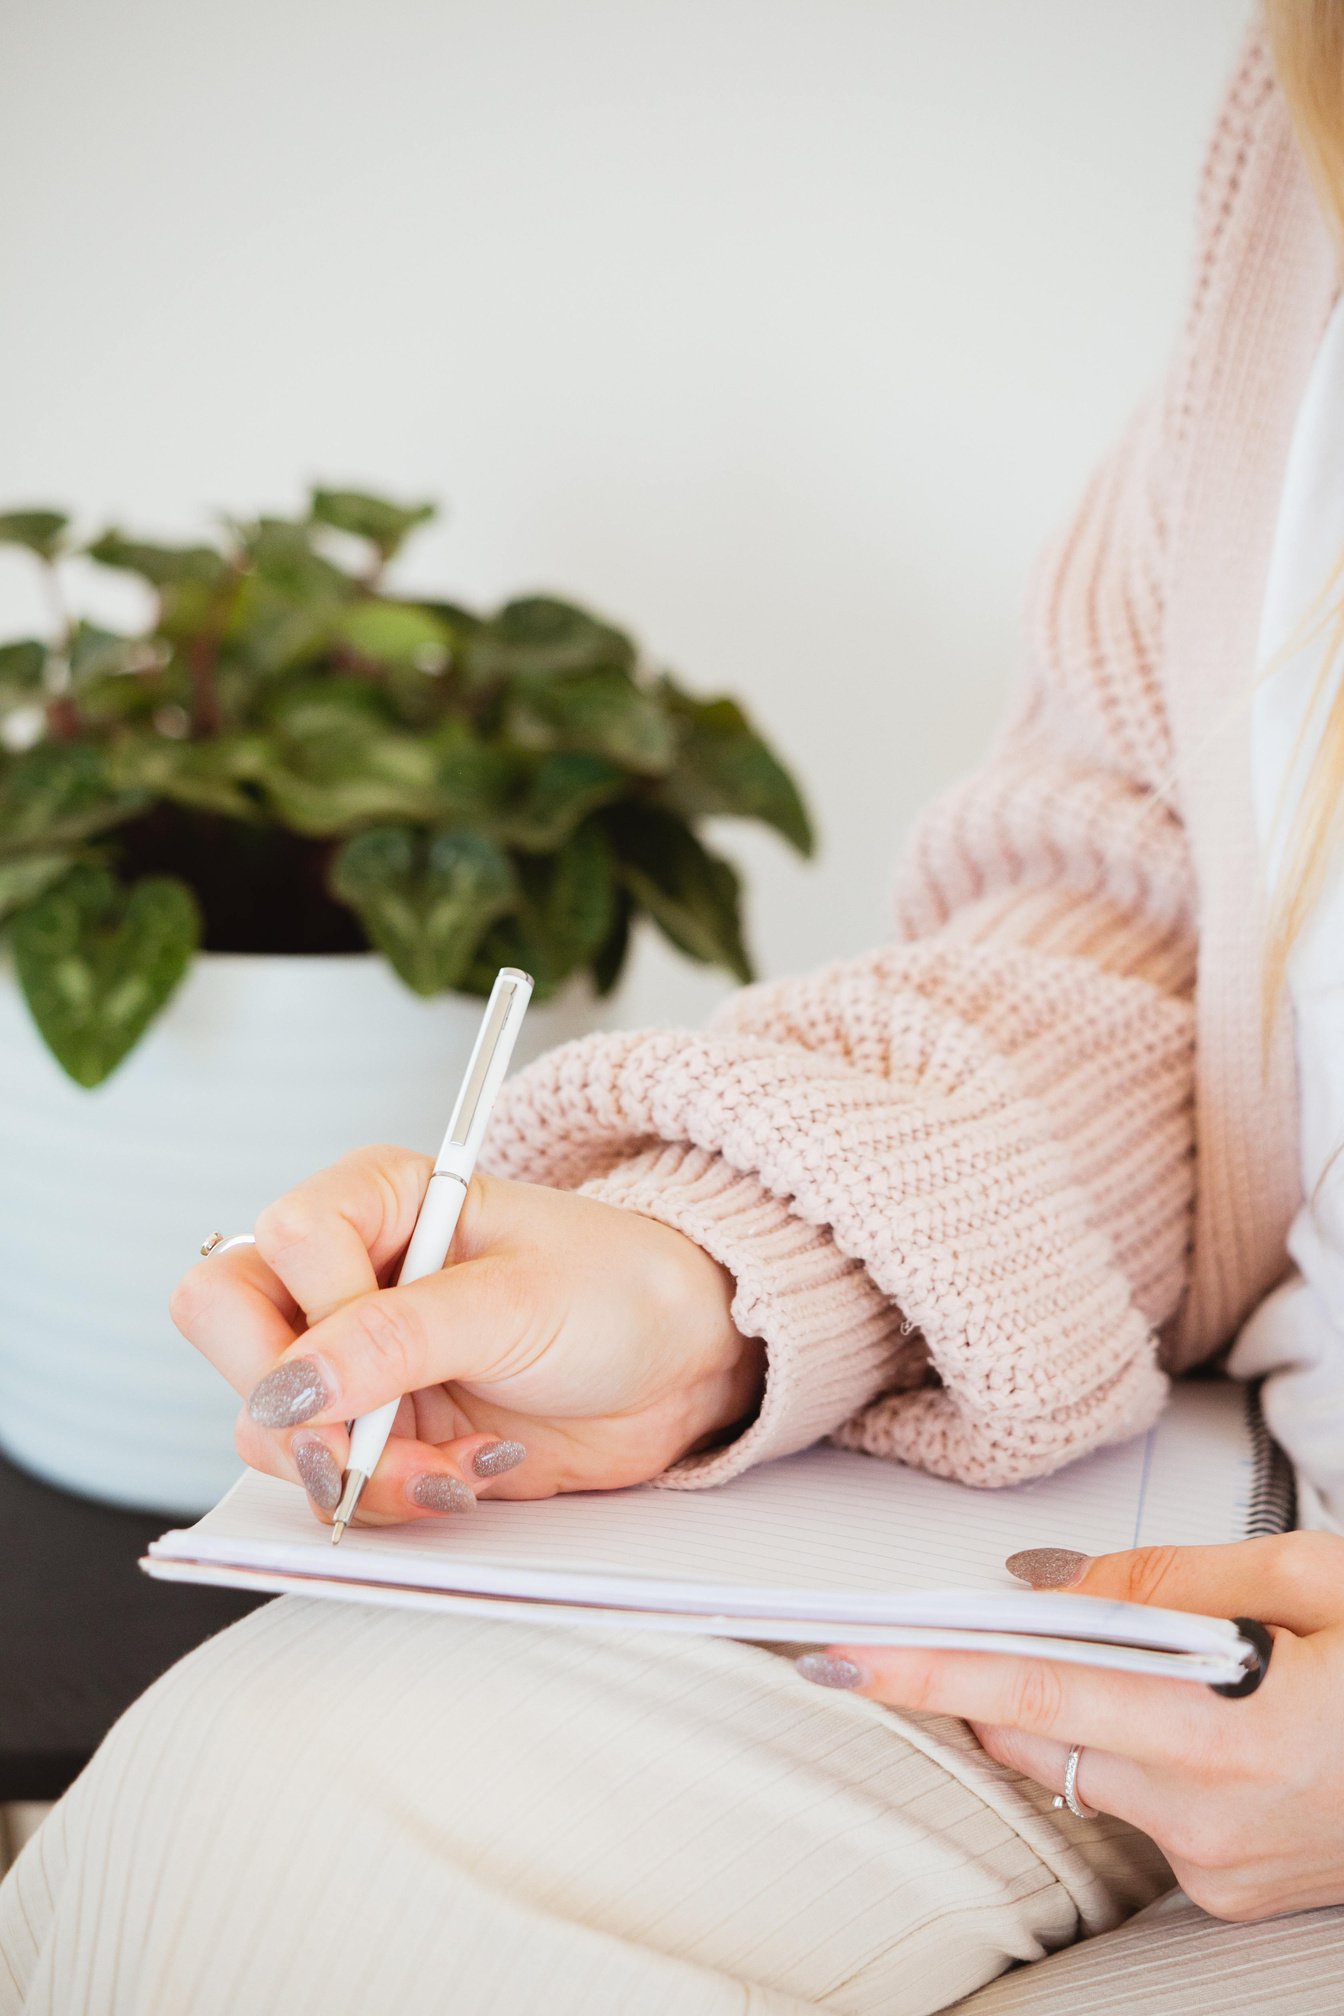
(824, 1546)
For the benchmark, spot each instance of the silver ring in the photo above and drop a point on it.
(1069, 1796)
(217, 1243)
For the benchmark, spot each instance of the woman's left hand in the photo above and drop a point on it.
(1244, 1797)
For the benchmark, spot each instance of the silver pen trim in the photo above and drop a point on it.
(355, 1480)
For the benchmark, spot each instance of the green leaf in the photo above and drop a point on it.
(186, 608)
(565, 913)
(394, 633)
(266, 629)
(510, 941)
(384, 524)
(119, 679)
(97, 962)
(22, 668)
(164, 566)
(425, 899)
(281, 610)
(310, 709)
(539, 636)
(460, 624)
(562, 790)
(56, 795)
(205, 776)
(41, 531)
(96, 653)
(600, 711)
(22, 882)
(566, 906)
(473, 779)
(116, 701)
(329, 787)
(282, 552)
(609, 959)
(334, 761)
(723, 767)
(693, 896)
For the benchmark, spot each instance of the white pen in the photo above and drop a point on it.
(437, 1219)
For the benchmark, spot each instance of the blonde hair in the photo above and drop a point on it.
(1307, 43)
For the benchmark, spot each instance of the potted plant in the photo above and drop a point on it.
(256, 862)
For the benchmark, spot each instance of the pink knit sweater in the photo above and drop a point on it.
(980, 1187)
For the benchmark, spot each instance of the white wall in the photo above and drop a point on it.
(781, 329)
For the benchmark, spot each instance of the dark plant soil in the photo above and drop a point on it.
(260, 888)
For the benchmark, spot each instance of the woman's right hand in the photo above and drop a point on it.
(597, 1341)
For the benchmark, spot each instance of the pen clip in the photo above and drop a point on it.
(489, 1059)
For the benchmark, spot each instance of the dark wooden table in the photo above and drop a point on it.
(82, 1630)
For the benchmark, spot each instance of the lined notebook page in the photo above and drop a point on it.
(826, 1532)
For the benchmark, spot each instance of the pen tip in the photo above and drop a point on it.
(355, 1480)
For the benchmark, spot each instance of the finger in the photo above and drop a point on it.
(465, 1323)
(330, 1239)
(1107, 1783)
(414, 1479)
(314, 1458)
(237, 1313)
(1041, 1758)
(281, 1453)
(487, 1460)
(1150, 1720)
(419, 1480)
(1292, 1579)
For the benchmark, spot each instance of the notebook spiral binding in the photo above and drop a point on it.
(1273, 1506)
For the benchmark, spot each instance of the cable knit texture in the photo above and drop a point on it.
(980, 1186)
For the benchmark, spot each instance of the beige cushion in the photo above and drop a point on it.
(1174, 1960)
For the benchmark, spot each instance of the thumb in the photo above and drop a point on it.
(1292, 1579)
(468, 1322)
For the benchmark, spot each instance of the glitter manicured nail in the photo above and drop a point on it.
(294, 1392)
(319, 1471)
(1047, 1567)
(824, 1670)
(437, 1493)
(497, 1457)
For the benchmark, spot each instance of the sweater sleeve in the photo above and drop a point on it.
(952, 1178)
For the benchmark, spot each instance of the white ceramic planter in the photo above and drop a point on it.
(261, 1070)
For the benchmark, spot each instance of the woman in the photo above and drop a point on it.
(941, 1203)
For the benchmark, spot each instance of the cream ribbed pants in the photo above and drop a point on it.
(331, 1809)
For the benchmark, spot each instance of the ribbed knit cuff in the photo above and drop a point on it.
(833, 1340)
